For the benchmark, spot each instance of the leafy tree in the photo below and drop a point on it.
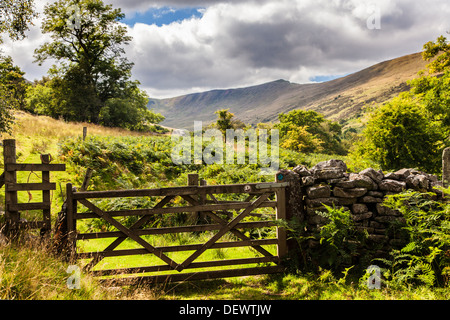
(413, 129)
(226, 120)
(299, 139)
(400, 135)
(309, 131)
(88, 41)
(15, 17)
(12, 91)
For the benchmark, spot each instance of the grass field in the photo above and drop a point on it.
(31, 272)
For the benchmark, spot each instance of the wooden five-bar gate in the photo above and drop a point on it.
(222, 217)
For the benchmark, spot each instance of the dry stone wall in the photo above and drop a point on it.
(361, 193)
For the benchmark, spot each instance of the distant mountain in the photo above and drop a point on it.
(338, 99)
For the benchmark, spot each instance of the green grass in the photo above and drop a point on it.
(31, 272)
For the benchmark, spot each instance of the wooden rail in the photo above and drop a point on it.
(223, 217)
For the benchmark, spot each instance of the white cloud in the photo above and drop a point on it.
(246, 42)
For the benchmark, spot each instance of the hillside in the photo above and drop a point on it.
(339, 99)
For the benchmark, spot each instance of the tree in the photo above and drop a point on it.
(309, 131)
(400, 135)
(88, 41)
(15, 17)
(226, 120)
(413, 129)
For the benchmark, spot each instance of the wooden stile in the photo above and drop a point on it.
(9, 179)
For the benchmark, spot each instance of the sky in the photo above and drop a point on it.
(186, 46)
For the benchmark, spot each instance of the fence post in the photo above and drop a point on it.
(193, 181)
(446, 167)
(71, 223)
(84, 133)
(12, 217)
(46, 216)
(281, 214)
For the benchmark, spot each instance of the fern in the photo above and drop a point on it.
(425, 259)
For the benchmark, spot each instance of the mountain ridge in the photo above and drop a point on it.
(339, 99)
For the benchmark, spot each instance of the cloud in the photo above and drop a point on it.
(245, 42)
(238, 43)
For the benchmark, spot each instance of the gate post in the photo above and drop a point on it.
(446, 167)
(281, 215)
(12, 217)
(71, 223)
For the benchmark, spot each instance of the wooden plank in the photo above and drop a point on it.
(35, 167)
(281, 215)
(9, 157)
(175, 191)
(45, 158)
(2, 179)
(203, 264)
(28, 206)
(224, 230)
(166, 230)
(130, 233)
(186, 247)
(199, 208)
(31, 186)
(30, 224)
(71, 223)
(192, 276)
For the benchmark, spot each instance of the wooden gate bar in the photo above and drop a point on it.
(185, 247)
(181, 277)
(193, 265)
(169, 230)
(154, 211)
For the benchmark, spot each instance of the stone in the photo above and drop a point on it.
(417, 181)
(403, 173)
(392, 185)
(363, 216)
(359, 208)
(380, 231)
(349, 184)
(328, 173)
(334, 181)
(320, 191)
(373, 174)
(369, 199)
(333, 163)
(302, 171)
(329, 201)
(377, 194)
(362, 181)
(385, 211)
(387, 219)
(376, 225)
(349, 193)
(316, 219)
(392, 175)
(347, 201)
(308, 181)
(378, 238)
